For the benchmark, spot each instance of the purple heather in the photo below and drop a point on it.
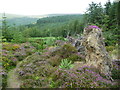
(93, 26)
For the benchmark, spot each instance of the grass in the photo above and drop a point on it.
(34, 38)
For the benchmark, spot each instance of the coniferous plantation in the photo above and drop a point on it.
(62, 50)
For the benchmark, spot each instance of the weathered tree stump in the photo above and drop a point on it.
(95, 52)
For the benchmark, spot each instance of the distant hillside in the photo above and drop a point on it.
(59, 19)
(9, 16)
(21, 21)
(56, 25)
(13, 19)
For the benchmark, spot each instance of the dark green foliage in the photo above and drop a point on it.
(95, 13)
(106, 18)
(115, 74)
(3, 78)
(57, 26)
(6, 33)
(18, 37)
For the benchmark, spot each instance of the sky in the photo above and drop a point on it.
(41, 7)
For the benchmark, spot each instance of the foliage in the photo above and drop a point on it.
(18, 38)
(12, 53)
(116, 70)
(84, 77)
(58, 53)
(106, 18)
(66, 64)
(50, 42)
(56, 26)
(52, 84)
(4, 76)
(34, 71)
(65, 51)
(110, 48)
(54, 60)
(95, 13)
(76, 57)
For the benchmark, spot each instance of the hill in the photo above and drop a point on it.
(57, 25)
(19, 19)
(14, 19)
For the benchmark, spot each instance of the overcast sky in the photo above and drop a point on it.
(40, 7)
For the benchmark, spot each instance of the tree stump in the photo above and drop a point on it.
(95, 51)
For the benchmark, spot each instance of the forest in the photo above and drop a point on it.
(37, 52)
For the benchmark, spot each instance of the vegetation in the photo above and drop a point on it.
(66, 64)
(43, 57)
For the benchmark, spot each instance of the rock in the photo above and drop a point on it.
(77, 43)
(95, 52)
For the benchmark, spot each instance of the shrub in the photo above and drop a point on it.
(75, 57)
(66, 64)
(116, 71)
(38, 46)
(54, 60)
(12, 53)
(19, 38)
(34, 71)
(56, 54)
(10, 46)
(8, 61)
(84, 77)
(65, 51)
(49, 42)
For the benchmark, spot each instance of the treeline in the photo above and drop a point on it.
(107, 18)
(57, 26)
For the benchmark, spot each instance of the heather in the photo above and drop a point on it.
(83, 77)
(54, 66)
(66, 51)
